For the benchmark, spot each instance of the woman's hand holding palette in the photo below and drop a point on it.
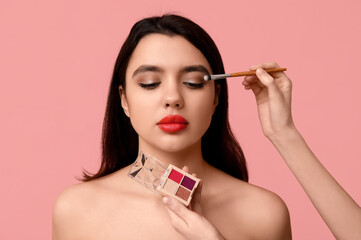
(167, 180)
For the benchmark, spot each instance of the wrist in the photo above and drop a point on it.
(286, 136)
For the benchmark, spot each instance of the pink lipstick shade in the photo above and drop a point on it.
(172, 123)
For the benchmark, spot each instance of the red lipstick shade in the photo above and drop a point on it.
(172, 123)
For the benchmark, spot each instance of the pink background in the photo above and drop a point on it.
(56, 59)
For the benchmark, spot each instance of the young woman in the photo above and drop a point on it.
(159, 103)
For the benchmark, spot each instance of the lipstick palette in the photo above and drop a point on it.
(167, 180)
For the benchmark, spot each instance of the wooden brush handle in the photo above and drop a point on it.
(250, 73)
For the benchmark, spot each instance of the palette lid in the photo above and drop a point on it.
(148, 171)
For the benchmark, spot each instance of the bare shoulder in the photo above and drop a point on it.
(269, 217)
(69, 207)
(74, 195)
(258, 212)
(74, 208)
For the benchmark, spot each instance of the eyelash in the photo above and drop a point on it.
(150, 85)
(154, 85)
(193, 85)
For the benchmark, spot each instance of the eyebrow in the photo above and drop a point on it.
(187, 69)
(147, 68)
(195, 68)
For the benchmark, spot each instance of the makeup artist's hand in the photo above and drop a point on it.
(189, 221)
(273, 97)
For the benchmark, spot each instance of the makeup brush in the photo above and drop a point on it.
(239, 74)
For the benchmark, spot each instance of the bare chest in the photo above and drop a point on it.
(133, 218)
(128, 219)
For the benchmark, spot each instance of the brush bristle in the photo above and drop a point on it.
(207, 77)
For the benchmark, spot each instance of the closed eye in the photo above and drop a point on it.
(149, 85)
(193, 85)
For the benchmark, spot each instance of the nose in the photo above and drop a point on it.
(173, 96)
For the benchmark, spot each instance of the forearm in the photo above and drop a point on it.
(340, 212)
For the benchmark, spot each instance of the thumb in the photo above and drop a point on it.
(178, 208)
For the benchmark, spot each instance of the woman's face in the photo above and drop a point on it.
(168, 102)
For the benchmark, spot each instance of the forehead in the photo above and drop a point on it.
(168, 52)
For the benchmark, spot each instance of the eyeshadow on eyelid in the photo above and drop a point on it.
(197, 79)
(146, 75)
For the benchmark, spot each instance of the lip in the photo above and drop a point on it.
(172, 123)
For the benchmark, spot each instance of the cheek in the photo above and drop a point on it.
(138, 102)
(202, 109)
(141, 110)
(206, 113)
(206, 101)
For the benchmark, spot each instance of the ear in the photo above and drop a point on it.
(216, 96)
(123, 100)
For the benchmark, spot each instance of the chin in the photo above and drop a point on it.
(173, 148)
(171, 145)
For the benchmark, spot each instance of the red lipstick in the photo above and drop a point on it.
(172, 123)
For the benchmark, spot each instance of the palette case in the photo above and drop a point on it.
(165, 179)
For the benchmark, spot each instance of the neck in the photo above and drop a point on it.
(190, 157)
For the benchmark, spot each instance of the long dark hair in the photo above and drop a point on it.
(119, 139)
